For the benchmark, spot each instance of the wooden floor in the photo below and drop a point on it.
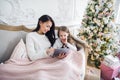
(92, 73)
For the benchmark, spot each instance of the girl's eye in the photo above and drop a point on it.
(48, 26)
(64, 35)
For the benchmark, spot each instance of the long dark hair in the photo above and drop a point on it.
(51, 33)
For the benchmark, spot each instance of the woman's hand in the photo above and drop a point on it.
(61, 55)
(50, 51)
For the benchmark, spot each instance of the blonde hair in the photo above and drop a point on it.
(70, 39)
(65, 29)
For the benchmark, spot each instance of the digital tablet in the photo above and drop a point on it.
(60, 51)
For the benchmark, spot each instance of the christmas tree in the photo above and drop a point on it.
(98, 30)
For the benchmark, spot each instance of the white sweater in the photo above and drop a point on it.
(37, 45)
(58, 44)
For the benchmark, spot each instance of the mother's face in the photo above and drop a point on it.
(45, 26)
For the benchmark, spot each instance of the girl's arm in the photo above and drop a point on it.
(71, 46)
(57, 44)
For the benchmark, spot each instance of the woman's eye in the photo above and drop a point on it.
(48, 27)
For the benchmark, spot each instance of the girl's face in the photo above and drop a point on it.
(45, 27)
(63, 36)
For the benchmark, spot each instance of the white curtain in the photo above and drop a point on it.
(118, 16)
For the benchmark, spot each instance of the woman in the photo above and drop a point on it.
(43, 37)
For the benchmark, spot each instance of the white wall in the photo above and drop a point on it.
(26, 12)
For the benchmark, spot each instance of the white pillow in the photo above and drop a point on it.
(20, 51)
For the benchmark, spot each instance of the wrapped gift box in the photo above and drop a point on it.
(110, 60)
(108, 73)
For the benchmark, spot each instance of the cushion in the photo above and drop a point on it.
(19, 51)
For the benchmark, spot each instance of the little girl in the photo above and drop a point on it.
(62, 41)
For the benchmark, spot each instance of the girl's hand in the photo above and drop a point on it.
(62, 55)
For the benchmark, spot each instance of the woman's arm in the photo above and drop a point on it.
(32, 50)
